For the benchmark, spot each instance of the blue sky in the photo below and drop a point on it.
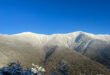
(54, 16)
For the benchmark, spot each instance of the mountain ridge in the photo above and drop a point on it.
(44, 49)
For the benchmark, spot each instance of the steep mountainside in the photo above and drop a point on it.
(96, 47)
(50, 50)
(76, 63)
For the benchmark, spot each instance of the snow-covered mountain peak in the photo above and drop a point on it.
(92, 36)
(67, 36)
(74, 40)
(27, 33)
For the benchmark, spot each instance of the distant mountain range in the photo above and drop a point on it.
(84, 52)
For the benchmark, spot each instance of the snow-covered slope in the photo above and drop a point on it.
(76, 40)
(70, 40)
(96, 47)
